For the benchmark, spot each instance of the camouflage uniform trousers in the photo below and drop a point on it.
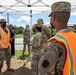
(24, 48)
(5, 53)
(34, 64)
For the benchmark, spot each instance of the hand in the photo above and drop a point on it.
(10, 39)
(28, 40)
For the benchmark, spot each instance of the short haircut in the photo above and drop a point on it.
(62, 17)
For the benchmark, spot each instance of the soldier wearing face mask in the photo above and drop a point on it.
(4, 45)
(60, 58)
(3, 25)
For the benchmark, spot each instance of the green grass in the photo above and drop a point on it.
(18, 55)
(19, 36)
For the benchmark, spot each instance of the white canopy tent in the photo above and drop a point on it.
(24, 6)
(29, 7)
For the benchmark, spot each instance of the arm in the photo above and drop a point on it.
(37, 42)
(14, 36)
(25, 36)
(24, 33)
(48, 61)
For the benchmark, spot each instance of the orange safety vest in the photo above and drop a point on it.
(69, 40)
(4, 38)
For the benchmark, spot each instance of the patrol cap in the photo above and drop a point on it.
(61, 7)
(40, 20)
(2, 20)
(27, 25)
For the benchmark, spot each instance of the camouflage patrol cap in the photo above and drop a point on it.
(2, 20)
(40, 20)
(27, 25)
(61, 7)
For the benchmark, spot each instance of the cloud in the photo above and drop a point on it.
(47, 23)
(19, 20)
(23, 18)
(1, 17)
(73, 13)
(11, 19)
(23, 25)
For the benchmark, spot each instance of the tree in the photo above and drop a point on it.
(18, 30)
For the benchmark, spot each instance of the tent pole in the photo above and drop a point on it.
(30, 21)
(30, 27)
(8, 18)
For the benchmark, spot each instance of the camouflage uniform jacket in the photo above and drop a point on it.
(53, 50)
(26, 35)
(46, 33)
(36, 44)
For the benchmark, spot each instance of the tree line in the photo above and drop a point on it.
(18, 30)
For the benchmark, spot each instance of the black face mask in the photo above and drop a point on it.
(33, 29)
(3, 25)
(52, 25)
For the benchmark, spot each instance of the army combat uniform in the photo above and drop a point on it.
(26, 40)
(46, 33)
(60, 56)
(55, 54)
(4, 45)
(5, 53)
(36, 52)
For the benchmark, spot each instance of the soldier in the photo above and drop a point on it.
(36, 49)
(4, 45)
(60, 59)
(26, 39)
(46, 33)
